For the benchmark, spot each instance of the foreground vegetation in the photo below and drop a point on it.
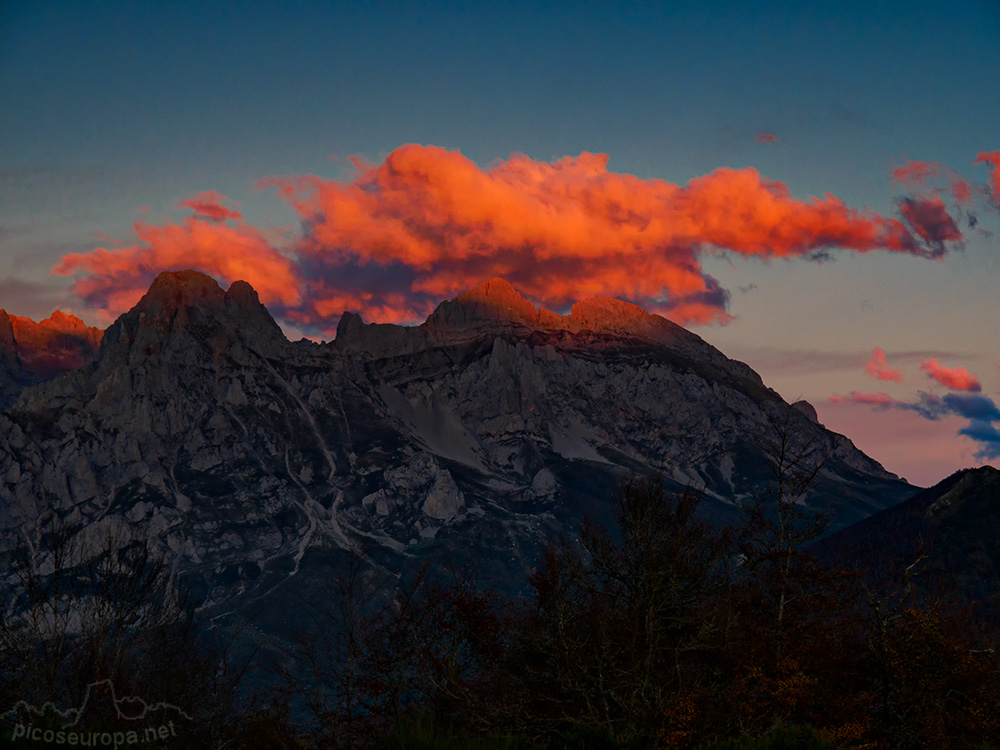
(662, 632)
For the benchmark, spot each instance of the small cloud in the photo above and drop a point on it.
(211, 205)
(933, 184)
(820, 256)
(930, 219)
(961, 191)
(880, 400)
(992, 160)
(916, 173)
(972, 407)
(921, 174)
(878, 367)
(985, 433)
(766, 138)
(931, 406)
(956, 378)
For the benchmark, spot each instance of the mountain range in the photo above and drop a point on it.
(33, 352)
(254, 463)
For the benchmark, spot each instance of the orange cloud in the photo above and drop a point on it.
(961, 191)
(212, 206)
(570, 229)
(956, 378)
(113, 280)
(766, 138)
(992, 159)
(916, 172)
(427, 223)
(878, 367)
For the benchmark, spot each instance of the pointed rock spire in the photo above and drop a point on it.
(192, 303)
(173, 290)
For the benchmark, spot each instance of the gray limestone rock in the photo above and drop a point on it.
(479, 434)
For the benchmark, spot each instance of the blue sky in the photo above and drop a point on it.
(106, 108)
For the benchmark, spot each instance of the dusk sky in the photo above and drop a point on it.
(814, 189)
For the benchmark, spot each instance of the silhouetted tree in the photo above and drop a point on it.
(377, 653)
(622, 624)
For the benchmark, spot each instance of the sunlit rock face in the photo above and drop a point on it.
(32, 352)
(492, 303)
(254, 462)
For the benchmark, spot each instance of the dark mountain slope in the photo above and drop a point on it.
(954, 526)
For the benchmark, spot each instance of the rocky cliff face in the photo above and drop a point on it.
(33, 352)
(255, 462)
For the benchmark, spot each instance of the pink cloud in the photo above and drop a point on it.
(922, 176)
(212, 206)
(766, 138)
(916, 173)
(879, 368)
(883, 400)
(956, 378)
(992, 159)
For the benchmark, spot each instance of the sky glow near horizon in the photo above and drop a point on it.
(798, 186)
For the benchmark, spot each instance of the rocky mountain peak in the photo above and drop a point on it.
(174, 293)
(609, 315)
(181, 305)
(497, 291)
(241, 294)
(974, 495)
(42, 350)
(60, 321)
(349, 324)
(172, 290)
(808, 409)
(601, 313)
(494, 301)
(244, 303)
(27, 330)
(496, 307)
